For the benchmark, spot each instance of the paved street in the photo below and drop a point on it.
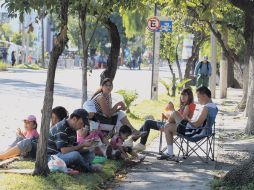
(22, 93)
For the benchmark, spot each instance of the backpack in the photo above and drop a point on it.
(200, 66)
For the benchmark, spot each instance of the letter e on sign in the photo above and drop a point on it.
(153, 24)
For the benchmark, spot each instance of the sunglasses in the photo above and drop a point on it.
(109, 85)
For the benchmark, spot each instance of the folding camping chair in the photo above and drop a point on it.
(206, 136)
(194, 143)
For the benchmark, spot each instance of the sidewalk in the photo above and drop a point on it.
(187, 174)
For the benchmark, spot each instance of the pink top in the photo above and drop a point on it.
(93, 135)
(116, 142)
(31, 134)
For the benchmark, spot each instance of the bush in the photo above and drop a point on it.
(129, 96)
(3, 67)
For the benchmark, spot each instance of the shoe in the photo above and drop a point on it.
(128, 143)
(139, 147)
(141, 157)
(164, 156)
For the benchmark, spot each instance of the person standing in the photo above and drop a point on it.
(13, 58)
(4, 55)
(203, 71)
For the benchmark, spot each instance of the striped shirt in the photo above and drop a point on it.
(61, 135)
(97, 105)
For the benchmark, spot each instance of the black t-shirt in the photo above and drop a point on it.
(61, 135)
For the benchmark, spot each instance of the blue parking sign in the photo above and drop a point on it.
(166, 26)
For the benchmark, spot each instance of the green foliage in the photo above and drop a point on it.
(129, 96)
(5, 31)
(32, 66)
(16, 38)
(167, 85)
(178, 85)
(3, 67)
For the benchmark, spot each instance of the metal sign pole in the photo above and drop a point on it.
(156, 60)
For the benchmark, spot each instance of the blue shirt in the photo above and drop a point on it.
(203, 69)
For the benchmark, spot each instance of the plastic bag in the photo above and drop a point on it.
(56, 164)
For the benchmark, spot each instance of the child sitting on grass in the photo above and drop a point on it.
(30, 132)
(25, 142)
(116, 150)
(96, 136)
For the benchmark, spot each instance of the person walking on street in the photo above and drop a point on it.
(203, 71)
(13, 58)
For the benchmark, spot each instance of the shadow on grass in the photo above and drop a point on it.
(133, 116)
(59, 180)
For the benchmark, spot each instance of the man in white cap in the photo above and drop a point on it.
(203, 71)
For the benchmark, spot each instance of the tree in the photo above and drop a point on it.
(61, 8)
(244, 173)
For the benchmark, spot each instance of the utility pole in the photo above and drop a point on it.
(42, 38)
(23, 41)
(156, 60)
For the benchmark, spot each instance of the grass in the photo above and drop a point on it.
(3, 67)
(219, 184)
(57, 180)
(89, 181)
(32, 66)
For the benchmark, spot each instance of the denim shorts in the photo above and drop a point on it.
(161, 124)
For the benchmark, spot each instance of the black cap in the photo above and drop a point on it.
(82, 114)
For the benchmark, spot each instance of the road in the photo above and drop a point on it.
(22, 93)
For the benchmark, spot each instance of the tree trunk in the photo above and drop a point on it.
(173, 88)
(249, 129)
(41, 164)
(223, 69)
(177, 61)
(82, 26)
(229, 53)
(114, 50)
(199, 39)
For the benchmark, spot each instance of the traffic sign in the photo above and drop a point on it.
(166, 26)
(153, 24)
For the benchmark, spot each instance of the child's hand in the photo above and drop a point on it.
(19, 132)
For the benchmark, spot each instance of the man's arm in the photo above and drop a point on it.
(65, 150)
(201, 119)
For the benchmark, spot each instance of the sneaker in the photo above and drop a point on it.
(128, 143)
(141, 157)
(164, 156)
(139, 147)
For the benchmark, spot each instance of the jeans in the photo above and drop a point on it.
(83, 161)
(150, 124)
(202, 80)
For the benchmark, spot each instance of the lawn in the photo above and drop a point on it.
(3, 67)
(82, 181)
(32, 66)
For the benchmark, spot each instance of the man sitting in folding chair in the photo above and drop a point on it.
(205, 118)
